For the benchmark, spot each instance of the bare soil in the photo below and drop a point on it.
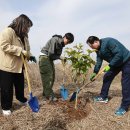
(62, 115)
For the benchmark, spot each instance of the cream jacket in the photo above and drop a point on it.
(11, 47)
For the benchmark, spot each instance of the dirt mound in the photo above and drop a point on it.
(68, 108)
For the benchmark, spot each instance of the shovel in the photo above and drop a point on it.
(63, 90)
(33, 102)
(74, 95)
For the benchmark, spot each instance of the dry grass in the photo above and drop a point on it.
(62, 115)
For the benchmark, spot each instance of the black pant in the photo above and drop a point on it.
(9, 80)
(125, 82)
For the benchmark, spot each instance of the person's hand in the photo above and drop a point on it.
(32, 58)
(107, 68)
(92, 76)
(63, 59)
(25, 54)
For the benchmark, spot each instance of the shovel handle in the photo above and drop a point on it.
(63, 64)
(76, 96)
(26, 71)
(99, 73)
(76, 100)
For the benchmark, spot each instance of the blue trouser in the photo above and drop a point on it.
(125, 81)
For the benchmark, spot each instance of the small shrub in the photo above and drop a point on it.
(80, 62)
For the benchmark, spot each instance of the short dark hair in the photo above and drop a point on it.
(91, 39)
(70, 37)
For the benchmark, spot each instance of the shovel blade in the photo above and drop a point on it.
(33, 103)
(64, 93)
(73, 97)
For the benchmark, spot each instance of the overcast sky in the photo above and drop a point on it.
(81, 17)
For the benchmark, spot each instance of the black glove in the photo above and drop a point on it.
(32, 58)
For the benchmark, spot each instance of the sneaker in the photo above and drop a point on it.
(54, 99)
(6, 112)
(120, 111)
(44, 100)
(100, 99)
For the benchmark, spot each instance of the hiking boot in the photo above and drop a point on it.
(120, 111)
(100, 99)
(6, 112)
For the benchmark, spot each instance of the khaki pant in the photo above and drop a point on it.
(47, 72)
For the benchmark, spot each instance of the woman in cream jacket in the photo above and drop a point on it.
(13, 43)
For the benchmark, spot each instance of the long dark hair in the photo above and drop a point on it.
(20, 24)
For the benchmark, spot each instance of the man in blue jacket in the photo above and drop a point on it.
(118, 57)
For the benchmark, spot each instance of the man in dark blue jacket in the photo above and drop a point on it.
(118, 57)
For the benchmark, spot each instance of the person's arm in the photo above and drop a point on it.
(55, 50)
(29, 54)
(117, 59)
(98, 64)
(97, 67)
(7, 45)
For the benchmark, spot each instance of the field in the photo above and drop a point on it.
(62, 115)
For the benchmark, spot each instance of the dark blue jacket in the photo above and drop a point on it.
(112, 51)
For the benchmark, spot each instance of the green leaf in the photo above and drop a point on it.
(80, 61)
